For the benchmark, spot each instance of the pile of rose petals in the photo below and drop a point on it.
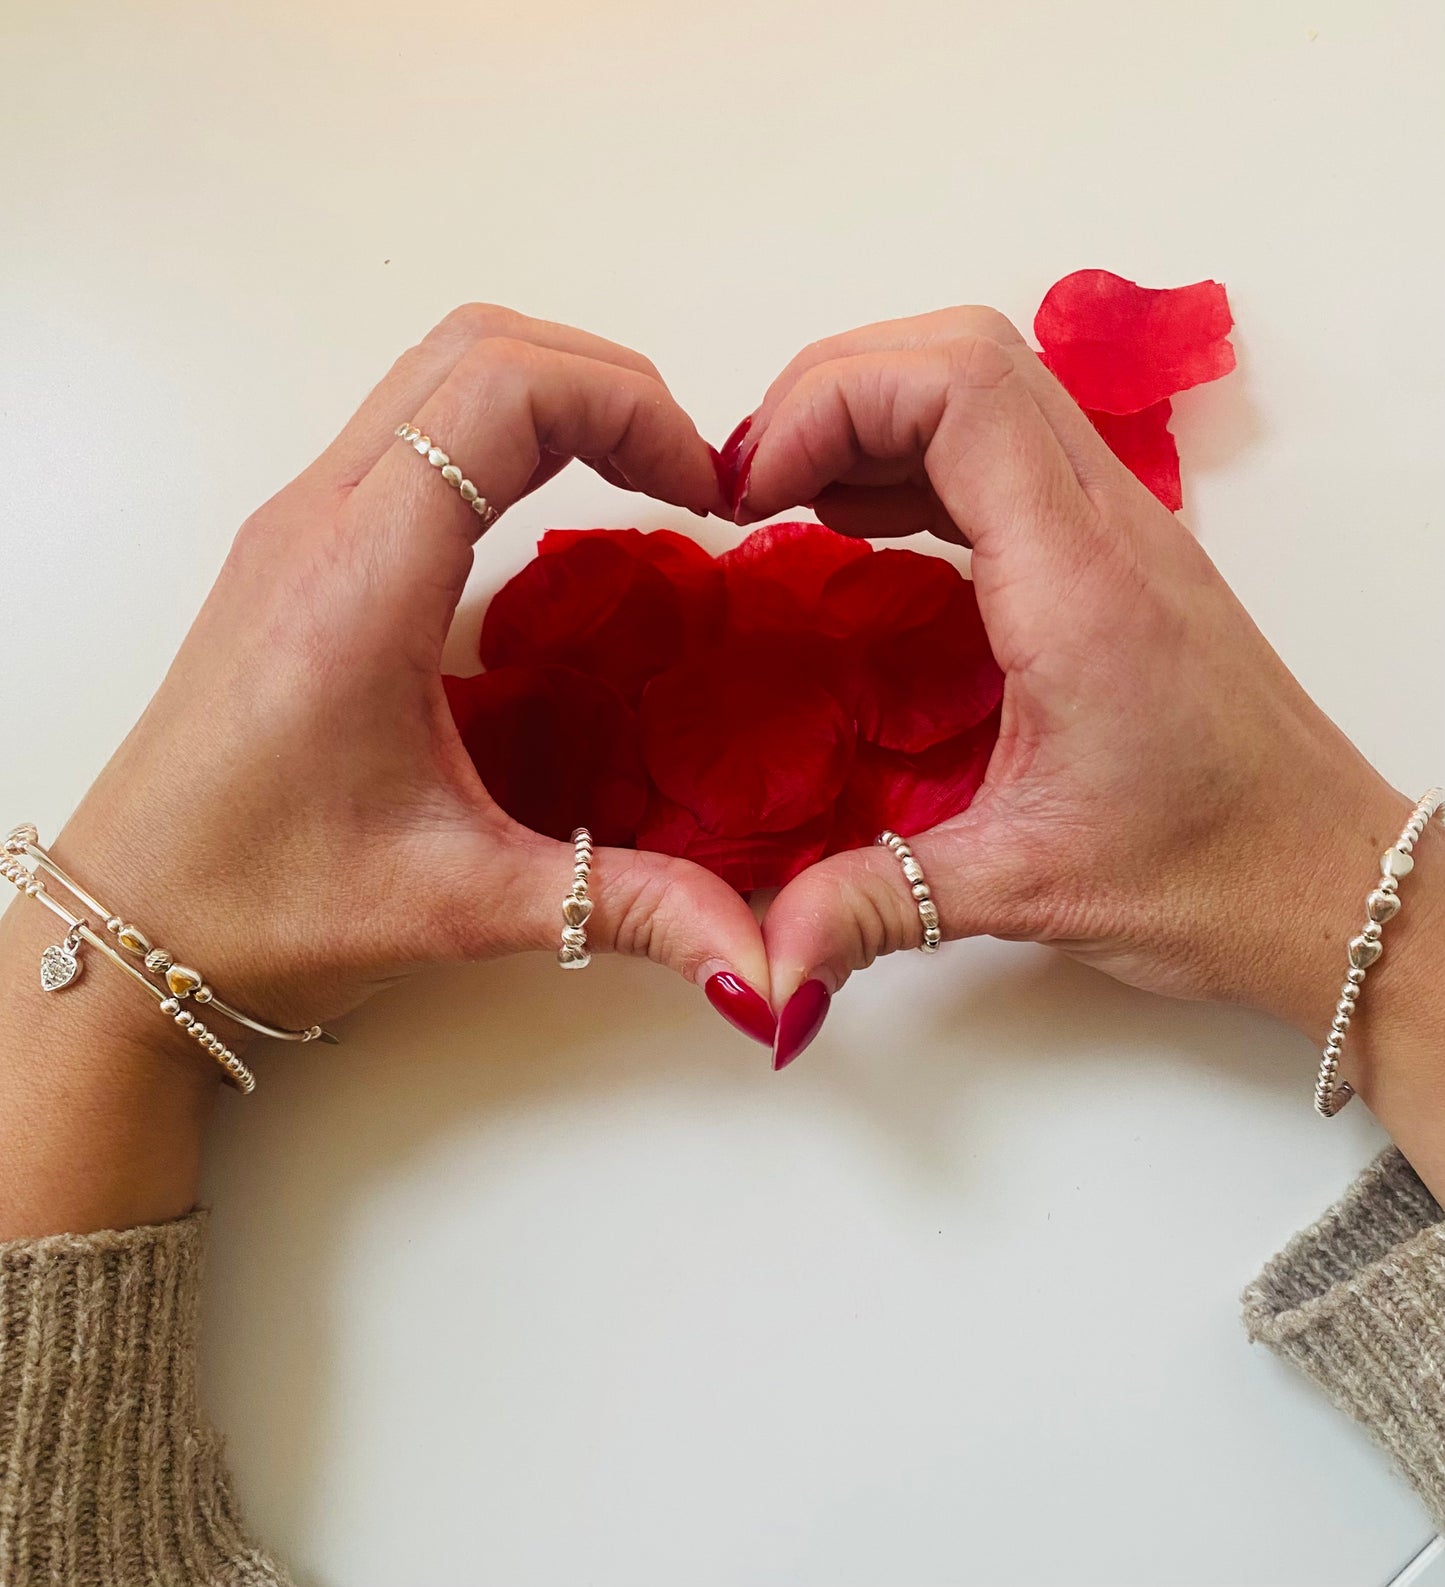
(1122, 351)
(793, 697)
(752, 712)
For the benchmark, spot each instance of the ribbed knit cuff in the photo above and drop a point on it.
(109, 1474)
(1357, 1302)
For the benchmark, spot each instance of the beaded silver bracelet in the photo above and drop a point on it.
(1383, 904)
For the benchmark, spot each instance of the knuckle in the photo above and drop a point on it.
(473, 321)
(980, 362)
(978, 319)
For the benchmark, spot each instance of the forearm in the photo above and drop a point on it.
(102, 1106)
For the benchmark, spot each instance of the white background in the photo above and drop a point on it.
(546, 1279)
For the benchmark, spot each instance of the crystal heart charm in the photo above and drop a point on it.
(58, 968)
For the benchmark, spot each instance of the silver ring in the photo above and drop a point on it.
(577, 906)
(424, 445)
(913, 875)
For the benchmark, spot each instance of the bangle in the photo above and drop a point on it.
(61, 964)
(1383, 904)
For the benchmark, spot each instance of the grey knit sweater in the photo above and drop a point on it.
(110, 1475)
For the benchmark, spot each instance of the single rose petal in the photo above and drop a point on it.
(924, 671)
(746, 737)
(555, 748)
(766, 859)
(890, 791)
(776, 576)
(1143, 443)
(1119, 347)
(590, 606)
(692, 571)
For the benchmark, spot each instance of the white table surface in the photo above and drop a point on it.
(542, 1279)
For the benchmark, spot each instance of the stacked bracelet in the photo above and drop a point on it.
(1383, 904)
(61, 964)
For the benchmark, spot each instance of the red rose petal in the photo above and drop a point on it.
(776, 576)
(1119, 347)
(1143, 443)
(924, 672)
(747, 738)
(555, 749)
(590, 606)
(887, 790)
(766, 859)
(688, 567)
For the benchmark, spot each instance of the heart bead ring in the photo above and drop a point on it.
(577, 906)
(922, 896)
(423, 444)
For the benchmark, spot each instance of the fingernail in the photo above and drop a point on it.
(742, 1007)
(801, 1020)
(734, 443)
(740, 483)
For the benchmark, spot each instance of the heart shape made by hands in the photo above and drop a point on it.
(799, 694)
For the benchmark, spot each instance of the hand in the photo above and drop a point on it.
(1165, 802)
(295, 812)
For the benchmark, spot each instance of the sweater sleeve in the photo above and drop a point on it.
(1357, 1303)
(109, 1473)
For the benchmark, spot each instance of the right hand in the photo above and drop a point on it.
(1165, 801)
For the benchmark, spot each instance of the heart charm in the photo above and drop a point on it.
(133, 941)
(1364, 951)
(1382, 906)
(58, 968)
(182, 980)
(575, 911)
(571, 958)
(1395, 862)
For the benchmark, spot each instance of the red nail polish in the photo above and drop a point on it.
(740, 483)
(801, 1020)
(734, 444)
(742, 1007)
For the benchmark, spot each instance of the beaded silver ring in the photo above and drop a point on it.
(423, 444)
(577, 906)
(918, 886)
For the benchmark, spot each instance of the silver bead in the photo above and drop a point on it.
(1373, 930)
(1396, 862)
(203, 994)
(437, 458)
(114, 924)
(1364, 951)
(171, 1005)
(1355, 976)
(159, 961)
(928, 914)
(452, 474)
(184, 1018)
(920, 891)
(421, 443)
(469, 491)
(1381, 905)
(912, 869)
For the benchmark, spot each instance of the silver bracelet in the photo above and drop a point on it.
(61, 964)
(1383, 904)
(181, 981)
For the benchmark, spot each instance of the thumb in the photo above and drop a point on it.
(655, 907)
(841, 914)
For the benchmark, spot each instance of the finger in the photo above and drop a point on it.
(910, 334)
(646, 905)
(846, 911)
(411, 380)
(991, 457)
(1094, 464)
(885, 512)
(505, 407)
